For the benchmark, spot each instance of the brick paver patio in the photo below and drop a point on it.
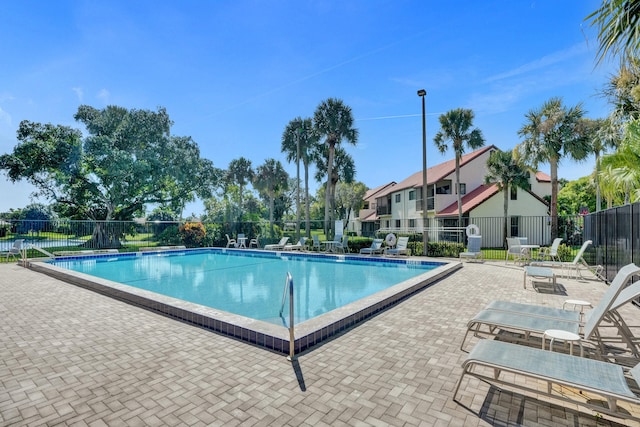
(69, 356)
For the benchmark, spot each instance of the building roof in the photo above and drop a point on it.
(543, 177)
(471, 200)
(373, 192)
(475, 198)
(435, 173)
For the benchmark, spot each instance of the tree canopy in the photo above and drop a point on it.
(127, 159)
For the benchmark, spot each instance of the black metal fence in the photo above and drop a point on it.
(615, 234)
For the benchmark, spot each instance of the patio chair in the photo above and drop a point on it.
(550, 253)
(515, 250)
(473, 249)
(315, 243)
(490, 358)
(575, 265)
(375, 248)
(300, 246)
(277, 246)
(343, 246)
(231, 242)
(255, 242)
(531, 319)
(401, 247)
(15, 250)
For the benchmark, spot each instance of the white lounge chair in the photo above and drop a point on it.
(277, 246)
(231, 242)
(300, 246)
(490, 358)
(550, 253)
(401, 247)
(573, 268)
(531, 319)
(16, 250)
(343, 246)
(473, 249)
(316, 246)
(515, 250)
(375, 248)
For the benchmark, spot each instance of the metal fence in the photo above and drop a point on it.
(615, 234)
(70, 235)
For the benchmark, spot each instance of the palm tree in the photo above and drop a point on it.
(333, 120)
(271, 180)
(344, 169)
(299, 134)
(240, 172)
(618, 23)
(504, 170)
(455, 126)
(603, 135)
(551, 132)
(623, 166)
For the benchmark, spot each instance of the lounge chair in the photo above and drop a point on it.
(278, 246)
(315, 246)
(515, 250)
(489, 358)
(15, 250)
(573, 266)
(550, 253)
(473, 249)
(401, 247)
(231, 242)
(528, 319)
(343, 246)
(300, 246)
(375, 248)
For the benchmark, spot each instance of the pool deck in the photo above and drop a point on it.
(74, 357)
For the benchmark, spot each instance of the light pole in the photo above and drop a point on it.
(298, 183)
(425, 237)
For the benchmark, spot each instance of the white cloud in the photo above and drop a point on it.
(544, 62)
(79, 92)
(104, 95)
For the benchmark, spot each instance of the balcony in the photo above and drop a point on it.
(430, 204)
(384, 210)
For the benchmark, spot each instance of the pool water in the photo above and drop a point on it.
(250, 283)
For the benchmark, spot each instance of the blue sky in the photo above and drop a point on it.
(232, 74)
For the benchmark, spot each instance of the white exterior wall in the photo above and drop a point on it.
(537, 230)
(540, 188)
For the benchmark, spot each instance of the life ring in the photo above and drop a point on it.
(472, 230)
(390, 239)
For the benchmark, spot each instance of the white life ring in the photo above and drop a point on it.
(472, 230)
(390, 239)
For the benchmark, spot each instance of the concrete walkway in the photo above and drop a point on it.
(69, 356)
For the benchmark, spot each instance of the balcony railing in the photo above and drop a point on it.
(430, 204)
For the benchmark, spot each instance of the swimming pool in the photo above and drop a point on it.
(239, 292)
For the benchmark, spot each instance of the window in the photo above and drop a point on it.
(514, 193)
(412, 195)
(397, 223)
(397, 198)
(387, 222)
(412, 223)
(463, 188)
(515, 222)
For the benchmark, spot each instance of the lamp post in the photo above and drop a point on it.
(298, 183)
(425, 237)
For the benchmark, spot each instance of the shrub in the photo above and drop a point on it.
(565, 253)
(192, 234)
(170, 236)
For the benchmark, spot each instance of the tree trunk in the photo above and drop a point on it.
(505, 194)
(553, 165)
(307, 210)
(458, 190)
(328, 227)
(597, 182)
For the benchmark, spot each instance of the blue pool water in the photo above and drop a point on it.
(249, 283)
